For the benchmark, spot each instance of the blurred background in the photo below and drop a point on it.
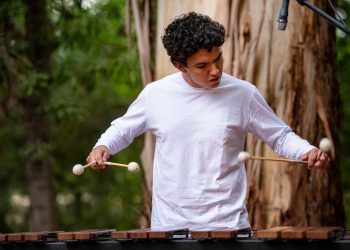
(67, 69)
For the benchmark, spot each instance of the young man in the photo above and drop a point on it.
(200, 117)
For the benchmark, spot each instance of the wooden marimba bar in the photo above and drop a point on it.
(220, 238)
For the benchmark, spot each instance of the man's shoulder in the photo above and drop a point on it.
(168, 78)
(164, 81)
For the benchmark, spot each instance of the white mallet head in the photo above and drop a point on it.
(326, 145)
(243, 156)
(133, 167)
(78, 169)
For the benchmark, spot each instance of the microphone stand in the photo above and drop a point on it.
(325, 15)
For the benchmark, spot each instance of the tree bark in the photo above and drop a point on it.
(144, 39)
(295, 71)
(39, 168)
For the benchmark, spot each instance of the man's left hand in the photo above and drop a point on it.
(316, 159)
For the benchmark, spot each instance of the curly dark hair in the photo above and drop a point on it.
(190, 32)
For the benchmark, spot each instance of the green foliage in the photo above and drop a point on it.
(92, 80)
(93, 77)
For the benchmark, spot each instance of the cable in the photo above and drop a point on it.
(340, 18)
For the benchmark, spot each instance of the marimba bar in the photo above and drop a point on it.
(94, 234)
(310, 233)
(285, 237)
(146, 233)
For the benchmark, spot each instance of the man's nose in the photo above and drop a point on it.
(214, 70)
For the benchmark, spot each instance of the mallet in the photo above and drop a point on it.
(325, 146)
(78, 169)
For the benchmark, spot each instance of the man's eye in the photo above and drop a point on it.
(200, 66)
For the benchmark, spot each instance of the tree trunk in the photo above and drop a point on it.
(142, 17)
(39, 169)
(295, 71)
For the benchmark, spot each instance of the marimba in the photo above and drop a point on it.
(220, 238)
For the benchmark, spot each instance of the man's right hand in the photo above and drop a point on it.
(99, 155)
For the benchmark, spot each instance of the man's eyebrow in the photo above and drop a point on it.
(219, 56)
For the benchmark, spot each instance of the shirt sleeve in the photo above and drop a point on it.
(124, 129)
(268, 127)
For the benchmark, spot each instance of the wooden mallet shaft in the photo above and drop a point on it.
(245, 156)
(262, 158)
(108, 163)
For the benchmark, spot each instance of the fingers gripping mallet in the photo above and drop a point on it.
(78, 169)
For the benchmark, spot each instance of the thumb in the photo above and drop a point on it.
(105, 155)
(304, 157)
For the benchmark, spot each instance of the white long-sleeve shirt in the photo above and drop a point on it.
(198, 183)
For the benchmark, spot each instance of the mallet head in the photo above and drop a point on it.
(78, 169)
(326, 145)
(243, 156)
(133, 167)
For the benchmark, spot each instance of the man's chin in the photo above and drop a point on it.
(215, 85)
(212, 86)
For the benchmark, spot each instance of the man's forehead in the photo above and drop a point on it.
(204, 56)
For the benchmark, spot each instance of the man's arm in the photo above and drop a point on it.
(271, 129)
(121, 133)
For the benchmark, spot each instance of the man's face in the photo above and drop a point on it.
(204, 69)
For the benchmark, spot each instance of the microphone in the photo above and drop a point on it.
(283, 16)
